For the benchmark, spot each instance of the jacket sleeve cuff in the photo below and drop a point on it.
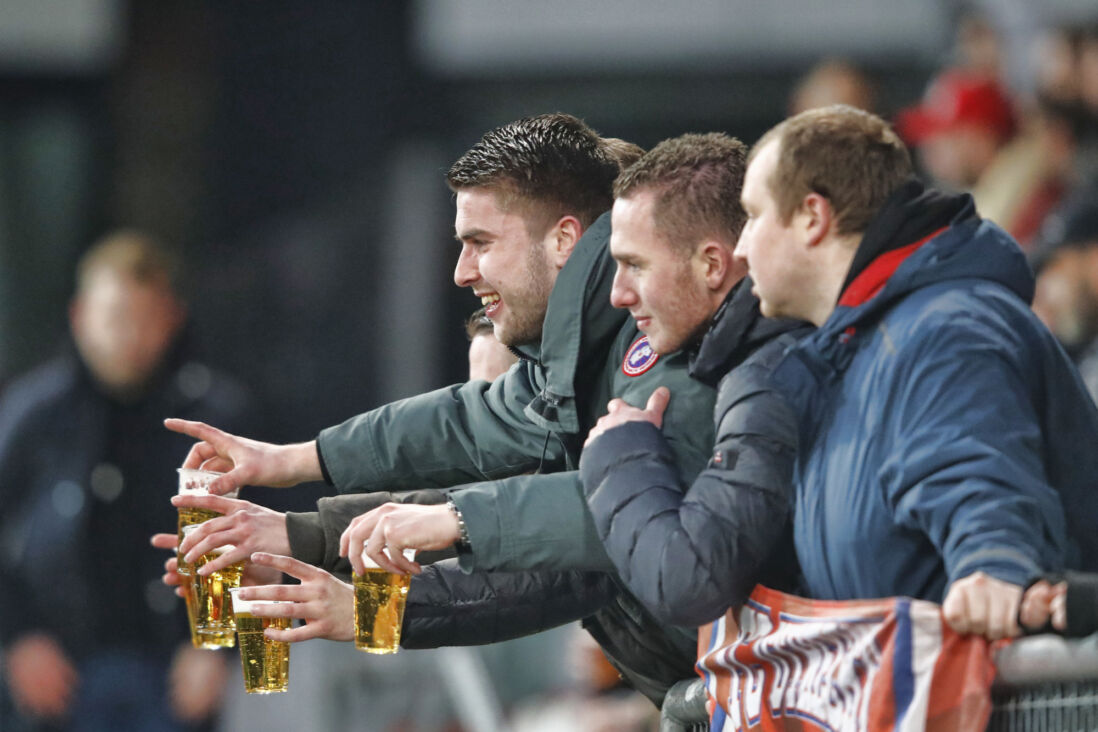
(480, 511)
(625, 442)
(323, 465)
(1003, 563)
(306, 537)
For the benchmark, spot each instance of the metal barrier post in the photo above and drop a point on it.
(684, 708)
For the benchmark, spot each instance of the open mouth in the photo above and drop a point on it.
(491, 303)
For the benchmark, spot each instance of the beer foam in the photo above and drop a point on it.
(197, 482)
(409, 554)
(245, 606)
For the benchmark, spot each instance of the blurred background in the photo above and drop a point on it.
(294, 152)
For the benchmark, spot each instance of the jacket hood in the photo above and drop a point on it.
(738, 329)
(962, 247)
(923, 237)
(580, 325)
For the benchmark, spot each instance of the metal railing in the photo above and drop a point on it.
(1044, 683)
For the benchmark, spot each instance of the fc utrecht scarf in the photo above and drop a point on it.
(786, 663)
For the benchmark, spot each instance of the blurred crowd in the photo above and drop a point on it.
(1029, 156)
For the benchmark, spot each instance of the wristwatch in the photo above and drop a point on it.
(462, 544)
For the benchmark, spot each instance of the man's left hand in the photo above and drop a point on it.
(398, 526)
(618, 413)
(983, 605)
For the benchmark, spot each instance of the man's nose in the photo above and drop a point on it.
(465, 271)
(621, 294)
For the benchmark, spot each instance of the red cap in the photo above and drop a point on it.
(955, 99)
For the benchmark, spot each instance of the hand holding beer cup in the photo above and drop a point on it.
(325, 603)
(248, 527)
(193, 483)
(194, 590)
(244, 461)
(380, 598)
(265, 662)
(253, 575)
(385, 532)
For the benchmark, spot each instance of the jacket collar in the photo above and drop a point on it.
(912, 214)
(738, 328)
(922, 254)
(580, 324)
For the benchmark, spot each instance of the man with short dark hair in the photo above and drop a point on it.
(527, 196)
(944, 434)
(691, 551)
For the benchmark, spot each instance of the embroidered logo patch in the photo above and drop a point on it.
(639, 358)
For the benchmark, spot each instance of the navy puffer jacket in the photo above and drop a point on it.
(690, 552)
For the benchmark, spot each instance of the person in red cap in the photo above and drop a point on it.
(963, 122)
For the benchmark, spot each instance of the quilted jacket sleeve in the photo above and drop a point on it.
(447, 607)
(690, 552)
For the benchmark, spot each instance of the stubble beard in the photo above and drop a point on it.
(528, 306)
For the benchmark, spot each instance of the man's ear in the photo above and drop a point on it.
(817, 218)
(718, 264)
(562, 239)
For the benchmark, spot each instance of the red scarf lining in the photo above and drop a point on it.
(873, 278)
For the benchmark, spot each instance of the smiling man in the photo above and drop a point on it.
(946, 440)
(527, 195)
(687, 550)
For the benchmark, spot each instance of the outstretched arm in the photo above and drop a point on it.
(245, 461)
(445, 607)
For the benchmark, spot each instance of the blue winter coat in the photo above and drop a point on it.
(943, 430)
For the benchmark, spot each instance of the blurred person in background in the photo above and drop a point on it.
(1066, 298)
(833, 81)
(91, 641)
(961, 125)
(970, 137)
(488, 358)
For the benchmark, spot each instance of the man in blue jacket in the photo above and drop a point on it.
(946, 441)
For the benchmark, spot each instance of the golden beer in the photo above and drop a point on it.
(213, 603)
(379, 610)
(209, 641)
(266, 663)
(189, 517)
(194, 483)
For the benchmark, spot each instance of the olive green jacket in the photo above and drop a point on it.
(490, 439)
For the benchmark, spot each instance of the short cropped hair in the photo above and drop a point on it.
(552, 165)
(133, 254)
(849, 156)
(697, 181)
